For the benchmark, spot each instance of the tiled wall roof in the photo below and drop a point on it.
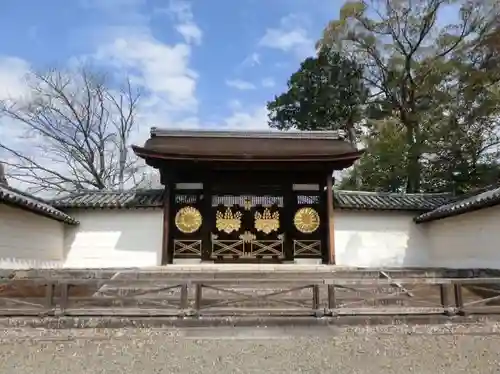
(343, 200)
(388, 201)
(14, 197)
(111, 199)
(473, 201)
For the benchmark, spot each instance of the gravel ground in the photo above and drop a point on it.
(395, 349)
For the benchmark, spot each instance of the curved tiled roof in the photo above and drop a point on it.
(111, 199)
(420, 202)
(249, 147)
(14, 197)
(474, 201)
(342, 199)
(270, 134)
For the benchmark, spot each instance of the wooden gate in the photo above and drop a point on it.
(247, 227)
(308, 231)
(186, 225)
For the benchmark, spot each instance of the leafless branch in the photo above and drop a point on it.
(76, 132)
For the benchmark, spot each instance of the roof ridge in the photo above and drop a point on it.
(329, 134)
(35, 204)
(25, 194)
(478, 191)
(137, 198)
(463, 204)
(385, 193)
(363, 192)
(103, 192)
(250, 131)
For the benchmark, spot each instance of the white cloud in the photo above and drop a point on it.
(13, 73)
(255, 119)
(159, 68)
(285, 40)
(240, 84)
(251, 60)
(268, 82)
(235, 104)
(13, 85)
(190, 32)
(290, 36)
(182, 13)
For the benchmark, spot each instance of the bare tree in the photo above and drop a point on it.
(75, 133)
(3, 179)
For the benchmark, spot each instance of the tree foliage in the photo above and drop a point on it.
(431, 77)
(326, 93)
(74, 132)
(382, 167)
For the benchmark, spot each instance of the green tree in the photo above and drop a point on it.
(326, 93)
(408, 57)
(382, 167)
(463, 143)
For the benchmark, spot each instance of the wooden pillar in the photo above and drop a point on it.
(331, 228)
(166, 256)
(289, 207)
(206, 233)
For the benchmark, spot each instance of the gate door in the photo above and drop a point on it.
(247, 227)
(308, 232)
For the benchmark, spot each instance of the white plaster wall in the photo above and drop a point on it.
(28, 240)
(114, 238)
(469, 240)
(379, 239)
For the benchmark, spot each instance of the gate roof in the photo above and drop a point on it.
(251, 146)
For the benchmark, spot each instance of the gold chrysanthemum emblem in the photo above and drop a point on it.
(306, 220)
(188, 220)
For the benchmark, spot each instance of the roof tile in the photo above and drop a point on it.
(474, 201)
(14, 197)
(270, 134)
(111, 199)
(342, 199)
(388, 201)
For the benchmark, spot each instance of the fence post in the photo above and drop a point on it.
(459, 301)
(184, 299)
(332, 303)
(446, 299)
(63, 300)
(316, 301)
(198, 298)
(49, 297)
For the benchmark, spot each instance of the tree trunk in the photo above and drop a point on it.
(413, 165)
(122, 165)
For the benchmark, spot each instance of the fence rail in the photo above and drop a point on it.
(198, 297)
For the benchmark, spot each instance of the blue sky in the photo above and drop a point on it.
(200, 63)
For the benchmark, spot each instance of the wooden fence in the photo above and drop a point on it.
(197, 297)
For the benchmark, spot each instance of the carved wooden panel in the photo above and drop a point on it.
(187, 221)
(247, 227)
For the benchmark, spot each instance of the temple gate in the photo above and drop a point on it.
(247, 197)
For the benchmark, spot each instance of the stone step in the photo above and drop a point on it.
(246, 271)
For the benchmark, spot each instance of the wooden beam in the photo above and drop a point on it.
(166, 257)
(206, 210)
(331, 227)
